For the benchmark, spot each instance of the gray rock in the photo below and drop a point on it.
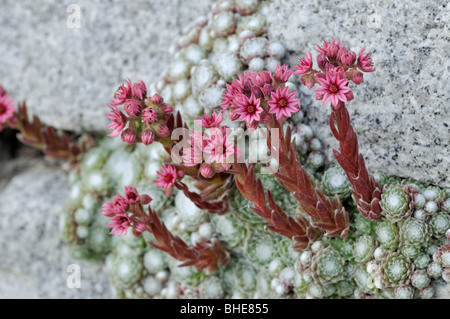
(401, 112)
(68, 75)
(34, 261)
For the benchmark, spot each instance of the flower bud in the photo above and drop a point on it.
(129, 136)
(349, 95)
(156, 100)
(166, 109)
(145, 199)
(147, 137)
(133, 108)
(149, 115)
(233, 115)
(206, 170)
(256, 92)
(321, 61)
(140, 227)
(342, 51)
(357, 77)
(308, 80)
(162, 130)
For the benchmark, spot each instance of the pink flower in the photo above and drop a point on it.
(219, 149)
(139, 90)
(208, 121)
(262, 78)
(108, 209)
(167, 178)
(120, 204)
(235, 88)
(147, 137)
(2, 91)
(6, 108)
(332, 70)
(248, 108)
(131, 195)
(118, 119)
(283, 103)
(120, 224)
(122, 93)
(364, 62)
(129, 135)
(282, 73)
(193, 155)
(305, 64)
(348, 58)
(333, 88)
(133, 108)
(149, 115)
(330, 50)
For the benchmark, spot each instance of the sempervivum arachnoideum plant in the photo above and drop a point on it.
(397, 202)
(395, 270)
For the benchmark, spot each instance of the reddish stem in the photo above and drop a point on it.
(251, 188)
(366, 190)
(326, 213)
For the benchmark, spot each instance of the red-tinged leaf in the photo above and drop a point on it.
(279, 220)
(346, 165)
(362, 188)
(349, 147)
(337, 135)
(188, 263)
(162, 248)
(278, 231)
(323, 214)
(285, 179)
(249, 183)
(375, 206)
(300, 245)
(362, 170)
(261, 214)
(333, 233)
(305, 201)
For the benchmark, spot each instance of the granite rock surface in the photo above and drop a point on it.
(66, 58)
(401, 112)
(34, 261)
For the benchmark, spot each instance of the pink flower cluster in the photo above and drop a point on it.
(146, 116)
(121, 211)
(212, 148)
(255, 96)
(338, 66)
(6, 109)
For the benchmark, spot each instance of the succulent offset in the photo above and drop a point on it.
(311, 230)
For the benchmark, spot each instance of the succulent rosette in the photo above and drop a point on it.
(396, 202)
